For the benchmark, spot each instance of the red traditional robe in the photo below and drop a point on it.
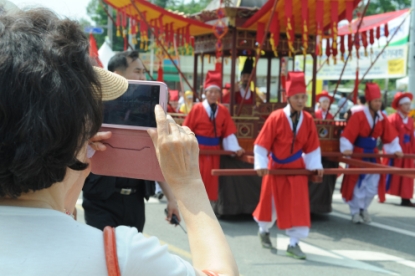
(199, 122)
(399, 185)
(290, 193)
(170, 109)
(319, 115)
(238, 98)
(359, 126)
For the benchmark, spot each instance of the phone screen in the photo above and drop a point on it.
(135, 107)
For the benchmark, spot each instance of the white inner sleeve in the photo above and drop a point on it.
(231, 143)
(392, 147)
(261, 157)
(312, 160)
(90, 152)
(345, 144)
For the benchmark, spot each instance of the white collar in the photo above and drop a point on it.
(209, 109)
(369, 116)
(244, 92)
(404, 118)
(287, 111)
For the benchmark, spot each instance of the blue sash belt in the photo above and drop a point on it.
(368, 144)
(406, 138)
(289, 159)
(208, 141)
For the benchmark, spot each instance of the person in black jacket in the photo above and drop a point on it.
(114, 201)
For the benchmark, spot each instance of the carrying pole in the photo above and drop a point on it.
(411, 61)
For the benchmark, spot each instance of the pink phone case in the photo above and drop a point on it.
(130, 151)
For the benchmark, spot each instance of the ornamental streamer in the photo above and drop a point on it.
(304, 13)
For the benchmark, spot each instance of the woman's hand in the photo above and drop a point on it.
(95, 142)
(177, 150)
(172, 208)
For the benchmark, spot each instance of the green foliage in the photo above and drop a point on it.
(191, 7)
(382, 6)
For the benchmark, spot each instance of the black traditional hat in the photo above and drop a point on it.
(248, 66)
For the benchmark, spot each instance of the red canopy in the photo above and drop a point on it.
(371, 22)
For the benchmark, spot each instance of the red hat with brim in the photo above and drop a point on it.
(400, 96)
(372, 92)
(295, 84)
(213, 80)
(324, 94)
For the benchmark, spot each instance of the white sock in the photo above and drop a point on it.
(263, 230)
(293, 241)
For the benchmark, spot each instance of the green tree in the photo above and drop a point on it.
(382, 6)
(191, 7)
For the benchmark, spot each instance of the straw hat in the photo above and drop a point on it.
(112, 85)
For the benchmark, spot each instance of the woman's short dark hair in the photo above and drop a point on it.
(50, 100)
(119, 60)
(362, 99)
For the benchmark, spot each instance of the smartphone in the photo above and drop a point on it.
(130, 151)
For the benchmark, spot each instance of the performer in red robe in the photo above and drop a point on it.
(395, 184)
(325, 100)
(212, 124)
(360, 136)
(288, 140)
(242, 89)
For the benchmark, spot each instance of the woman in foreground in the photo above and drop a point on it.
(50, 109)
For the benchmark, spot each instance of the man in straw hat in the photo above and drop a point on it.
(360, 136)
(212, 123)
(395, 184)
(288, 140)
(325, 99)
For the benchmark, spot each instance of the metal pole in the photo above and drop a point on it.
(314, 85)
(233, 71)
(279, 80)
(109, 27)
(411, 61)
(269, 79)
(196, 56)
(202, 77)
(152, 54)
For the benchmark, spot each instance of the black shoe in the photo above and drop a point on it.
(158, 195)
(265, 240)
(407, 203)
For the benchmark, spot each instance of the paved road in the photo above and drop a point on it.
(335, 246)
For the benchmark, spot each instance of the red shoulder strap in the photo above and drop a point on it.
(111, 257)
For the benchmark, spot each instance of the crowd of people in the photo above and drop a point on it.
(50, 115)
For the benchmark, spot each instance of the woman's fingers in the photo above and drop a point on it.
(102, 135)
(162, 122)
